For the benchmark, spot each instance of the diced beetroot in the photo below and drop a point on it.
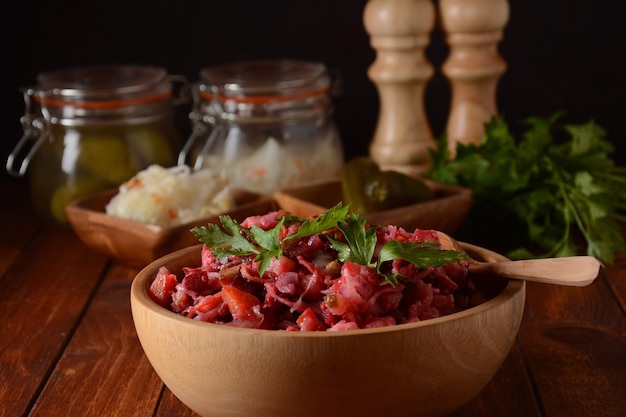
(425, 235)
(251, 273)
(306, 247)
(162, 287)
(444, 281)
(313, 286)
(196, 280)
(417, 301)
(457, 272)
(355, 287)
(181, 300)
(313, 277)
(443, 303)
(209, 263)
(343, 325)
(308, 321)
(287, 283)
(282, 265)
(387, 299)
(379, 322)
(265, 221)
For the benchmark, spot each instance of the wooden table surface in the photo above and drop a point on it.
(68, 346)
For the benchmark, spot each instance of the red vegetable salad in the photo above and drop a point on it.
(327, 273)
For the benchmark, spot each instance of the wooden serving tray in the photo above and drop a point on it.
(137, 244)
(445, 213)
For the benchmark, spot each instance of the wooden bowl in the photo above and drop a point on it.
(137, 244)
(446, 212)
(423, 369)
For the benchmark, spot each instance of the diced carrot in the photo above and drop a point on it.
(134, 183)
(259, 172)
(208, 303)
(240, 303)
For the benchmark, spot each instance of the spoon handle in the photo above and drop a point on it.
(575, 271)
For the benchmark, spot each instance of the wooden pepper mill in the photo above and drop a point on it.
(399, 32)
(473, 29)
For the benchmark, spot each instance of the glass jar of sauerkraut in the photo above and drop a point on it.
(89, 129)
(266, 124)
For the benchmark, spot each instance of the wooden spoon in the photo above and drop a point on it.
(577, 271)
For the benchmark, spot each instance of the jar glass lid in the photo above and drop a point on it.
(265, 80)
(103, 84)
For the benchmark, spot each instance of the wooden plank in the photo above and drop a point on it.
(569, 329)
(43, 297)
(103, 371)
(616, 277)
(171, 406)
(19, 222)
(510, 393)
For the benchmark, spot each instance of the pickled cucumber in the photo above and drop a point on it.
(81, 160)
(149, 147)
(369, 189)
(74, 188)
(106, 157)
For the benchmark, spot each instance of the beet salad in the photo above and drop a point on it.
(331, 272)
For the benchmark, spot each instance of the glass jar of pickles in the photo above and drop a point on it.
(266, 124)
(89, 129)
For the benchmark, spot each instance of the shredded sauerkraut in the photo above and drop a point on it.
(171, 196)
(276, 165)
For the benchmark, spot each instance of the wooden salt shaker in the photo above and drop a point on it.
(399, 32)
(473, 29)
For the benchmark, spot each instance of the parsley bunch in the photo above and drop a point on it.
(555, 191)
(359, 246)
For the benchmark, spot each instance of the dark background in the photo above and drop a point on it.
(561, 54)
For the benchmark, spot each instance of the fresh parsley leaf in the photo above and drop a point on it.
(270, 241)
(325, 221)
(229, 241)
(421, 254)
(553, 188)
(359, 247)
(361, 241)
(264, 244)
(267, 239)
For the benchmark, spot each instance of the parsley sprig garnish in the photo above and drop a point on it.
(362, 244)
(554, 189)
(359, 246)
